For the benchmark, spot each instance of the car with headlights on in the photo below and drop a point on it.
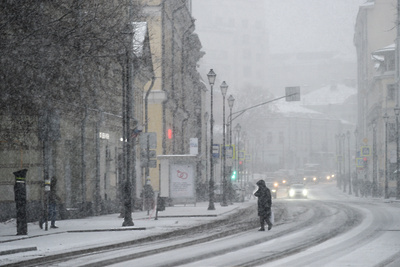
(298, 191)
(273, 187)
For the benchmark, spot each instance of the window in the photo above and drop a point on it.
(391, 92)
(391, 132)
(390, 64)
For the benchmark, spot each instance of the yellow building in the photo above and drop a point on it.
(175, 98)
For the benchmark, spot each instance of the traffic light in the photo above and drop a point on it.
(169, 133)
(365, 159)
(234, 174)
(240, 165)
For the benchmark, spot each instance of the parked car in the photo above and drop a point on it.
(298, 191)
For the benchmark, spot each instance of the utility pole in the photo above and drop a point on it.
(397, 76)
(128, 116)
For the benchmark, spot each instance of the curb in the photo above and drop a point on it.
(107, 230)
(17, 250)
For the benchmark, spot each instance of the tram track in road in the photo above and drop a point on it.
(352, 219)
(310, 214)
(218, 228)
(315, 216)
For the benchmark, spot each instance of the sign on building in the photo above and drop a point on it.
(365, 151)
(194, 146)
(248, 157)
(215, 151)
(229, 151)
(360, 162)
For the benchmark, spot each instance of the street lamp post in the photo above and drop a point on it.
(338, 160)
(348, 159)
(386, 118)
(397, 112)
(224, 88)
(231, 101)
(206, 117)
(374, 162)
(343, 171)
(356, 187)
(211, 79)
(237, 129)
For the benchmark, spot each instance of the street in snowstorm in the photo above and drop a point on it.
(329, 228)
(200, 133)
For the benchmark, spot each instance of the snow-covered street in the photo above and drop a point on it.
(330, 228)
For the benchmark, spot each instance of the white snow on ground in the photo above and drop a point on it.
(63, 240)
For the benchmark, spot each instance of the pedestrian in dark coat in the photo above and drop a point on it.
(148, 195)
(53, 200)
(264, 204)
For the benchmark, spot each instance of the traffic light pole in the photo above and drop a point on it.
(241, 112)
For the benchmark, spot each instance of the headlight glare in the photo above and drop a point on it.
(291, 192)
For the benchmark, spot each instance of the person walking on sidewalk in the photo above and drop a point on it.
(148, 196)
(264, 204)
(52, 208)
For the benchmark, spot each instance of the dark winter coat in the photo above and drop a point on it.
(53, 196)
(264, 199)
(148, 195)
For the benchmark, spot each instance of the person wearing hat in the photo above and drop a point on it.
(264, 204)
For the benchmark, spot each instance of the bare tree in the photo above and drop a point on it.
(61, 58)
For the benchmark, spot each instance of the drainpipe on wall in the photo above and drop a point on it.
(146, 127)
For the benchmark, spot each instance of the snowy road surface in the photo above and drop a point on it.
(328, 229)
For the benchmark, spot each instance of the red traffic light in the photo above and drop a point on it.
(240, 162)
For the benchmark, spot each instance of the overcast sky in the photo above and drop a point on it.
(293, 27)
(312, 25)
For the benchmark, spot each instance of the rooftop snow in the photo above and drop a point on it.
(328, 95)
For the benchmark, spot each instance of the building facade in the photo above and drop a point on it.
(176, 98)
(374, 38)
(93, 146)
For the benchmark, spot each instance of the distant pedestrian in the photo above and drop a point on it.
(148, 196)
(264, 204)
(54, 199)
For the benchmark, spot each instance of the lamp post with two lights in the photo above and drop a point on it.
(386, 118)
(397, 113)
(211, 80)
(224, 88)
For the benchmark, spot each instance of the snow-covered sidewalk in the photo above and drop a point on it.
(103, 230)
